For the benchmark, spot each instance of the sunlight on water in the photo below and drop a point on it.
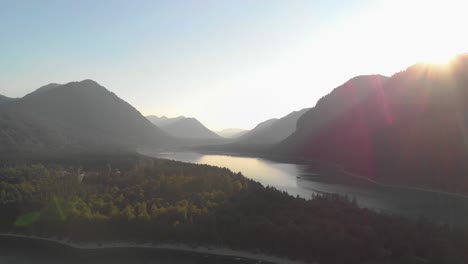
(279, 175)
(256, 169)
(303, 181)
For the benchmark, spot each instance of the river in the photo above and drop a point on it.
(302, 180)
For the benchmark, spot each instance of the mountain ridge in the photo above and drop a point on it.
(43, 89)
(5, 99)
(183, 127)
(75, 115)
(163, 120)
(232, 132)
(273, 130)
(406, 130)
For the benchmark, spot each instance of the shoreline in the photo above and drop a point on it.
(210, 250)
(411, 188)
(301, 161)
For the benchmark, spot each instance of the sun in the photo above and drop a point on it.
(440, 58)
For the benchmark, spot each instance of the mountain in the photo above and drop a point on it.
(4, 99)
(333, 129)
(77, 115)
(43, 89)
(163, 121)
(261, 139)
(410, 129)
(183, 127)
(232, 132)
(272, 131)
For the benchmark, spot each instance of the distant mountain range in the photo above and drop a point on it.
(183, 127)
(232, 132)
(262, 138)
(163, 120)
(410, 129)
(73, 116)
(273, 130)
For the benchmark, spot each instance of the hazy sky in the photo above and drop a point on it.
(228, 63)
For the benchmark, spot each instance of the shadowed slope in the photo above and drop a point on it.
(183, 127)
(190, 128)
(409, 129)
(75, 115)
(272, 131)
(4, 99)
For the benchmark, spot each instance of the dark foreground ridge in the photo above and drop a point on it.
(22, 249)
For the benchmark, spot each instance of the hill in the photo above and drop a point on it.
(77, 115)
(409, 129)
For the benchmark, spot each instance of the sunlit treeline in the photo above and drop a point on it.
(149, 200)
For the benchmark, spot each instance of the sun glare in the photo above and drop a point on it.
(441, 59)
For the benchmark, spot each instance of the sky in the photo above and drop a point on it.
(227, 63)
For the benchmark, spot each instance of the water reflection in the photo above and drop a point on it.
(267, 173)
(304, 181)
(263, 171)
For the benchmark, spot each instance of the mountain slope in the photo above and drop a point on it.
(272, 131)
(4, 99)
(43, 89)
(183, 127)
(163, 120)
(75, 115)
(409, 129)
(189, 128)
(336, 128)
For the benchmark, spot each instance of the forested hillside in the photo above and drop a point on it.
(150, 200)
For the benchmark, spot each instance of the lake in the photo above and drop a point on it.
(303, 180)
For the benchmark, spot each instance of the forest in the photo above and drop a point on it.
(147, 200)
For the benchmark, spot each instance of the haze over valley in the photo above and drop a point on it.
(280, 132)
(350, 127)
